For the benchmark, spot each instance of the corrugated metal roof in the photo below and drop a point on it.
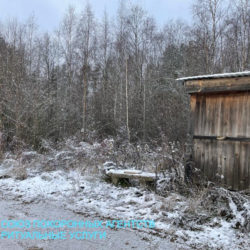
(224, 75)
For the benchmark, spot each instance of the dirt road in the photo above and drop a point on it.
(115, 239)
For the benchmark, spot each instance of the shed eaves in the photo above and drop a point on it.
(214, 76)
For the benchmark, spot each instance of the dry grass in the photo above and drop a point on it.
(20, 173)
(194, 202)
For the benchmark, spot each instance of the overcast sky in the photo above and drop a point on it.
(48, 13)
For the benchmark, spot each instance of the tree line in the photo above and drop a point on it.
(114, 77)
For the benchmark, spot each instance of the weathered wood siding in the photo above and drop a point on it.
(225, 114)
(218, 85)
(216, 117)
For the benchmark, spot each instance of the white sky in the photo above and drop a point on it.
(48, 13)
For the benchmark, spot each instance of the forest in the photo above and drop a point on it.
(113, 77)
(95, 126)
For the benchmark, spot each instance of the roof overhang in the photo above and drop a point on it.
(215, 76)
(227, 82)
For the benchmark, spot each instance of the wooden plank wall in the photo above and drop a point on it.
(226, 114)
(221, 115)
(226, 162)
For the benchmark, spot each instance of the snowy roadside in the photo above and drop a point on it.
(88, 195)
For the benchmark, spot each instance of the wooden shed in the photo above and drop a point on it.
(220, 126)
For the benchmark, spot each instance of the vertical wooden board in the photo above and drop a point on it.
(203, 115)
(197, 115)
(192, 123)
(227, 160)
(199, 153)
(222, 117)
(217, 116)
(219, 158)
(201, 167)
(239, 118)
(243, 165)
(244, 114)
(203, 157)
(236, 166)
(208, 163)
(232, 113)
(248, 116)
(230, 163)
(247, 168)
(207, 121)
(227, 112)
(211, 115)
(224, 161)
(213, 168)
(232, 124)
(215, 160)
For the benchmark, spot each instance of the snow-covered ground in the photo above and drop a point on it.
(178, 219)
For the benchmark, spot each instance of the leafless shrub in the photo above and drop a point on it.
(20, 173)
